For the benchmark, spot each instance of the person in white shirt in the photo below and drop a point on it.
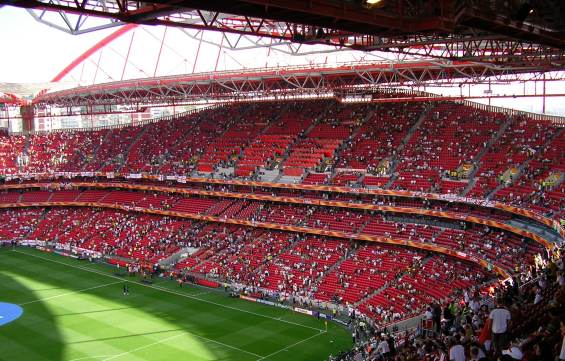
(382, 348)
(428, 322)
(457, 351)
(542, 283)
(474, 305)
(500, 317)
(514, 352)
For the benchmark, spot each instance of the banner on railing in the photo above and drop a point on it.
(87, 252)
(303, 311)
(24, 242)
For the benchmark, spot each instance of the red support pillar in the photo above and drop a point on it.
(543, 97)
(28, 118)
(489, 92)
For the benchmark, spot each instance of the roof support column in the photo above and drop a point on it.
(28, 118)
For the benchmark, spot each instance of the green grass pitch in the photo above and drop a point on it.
(75, 310)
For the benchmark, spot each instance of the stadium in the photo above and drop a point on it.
(282, 180)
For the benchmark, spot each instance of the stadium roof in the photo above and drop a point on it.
(464, 42)
(509, 32)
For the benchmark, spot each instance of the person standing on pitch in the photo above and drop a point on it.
(126, 289)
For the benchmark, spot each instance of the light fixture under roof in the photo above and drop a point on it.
(374, 3)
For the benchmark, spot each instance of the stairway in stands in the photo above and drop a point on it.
(336, 265)
(94, 154)
(125, 154)
(368, 115)
(290, 179)
(25, 151)
(283, 250)
(385, 286)
(524, 165)
(409, 134)
(477, 159)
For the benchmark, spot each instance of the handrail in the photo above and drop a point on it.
(306, 187)
(294, 200)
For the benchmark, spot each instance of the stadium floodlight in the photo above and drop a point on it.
(374, 3)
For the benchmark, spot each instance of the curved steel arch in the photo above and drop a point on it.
(102, 43)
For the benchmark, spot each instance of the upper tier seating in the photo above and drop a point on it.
(11, 148)
(379, 136)
(538, 184)
(239, 134)
(513, 159)
(521, 140)
(448, 137)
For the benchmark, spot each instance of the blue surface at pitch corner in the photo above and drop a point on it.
(9, 313)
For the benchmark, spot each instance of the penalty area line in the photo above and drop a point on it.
(184, 333)
(142, 347)
(291, 346)
(69, 293)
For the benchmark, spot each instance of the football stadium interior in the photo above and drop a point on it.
(283, 180)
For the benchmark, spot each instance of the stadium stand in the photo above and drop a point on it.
(419, 146)
(285, 271)
(445, 147)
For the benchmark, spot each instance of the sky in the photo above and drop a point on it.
(35, 53)
(39, 52)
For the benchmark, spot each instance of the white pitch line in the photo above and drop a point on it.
(184, 333)
(234, 308)
(142, 347)
(223, 344)
(90, 357)
(200, 293)
(171, 292)
(68, 293)
(290, 346)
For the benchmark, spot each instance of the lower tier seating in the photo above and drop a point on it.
(386, 282)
